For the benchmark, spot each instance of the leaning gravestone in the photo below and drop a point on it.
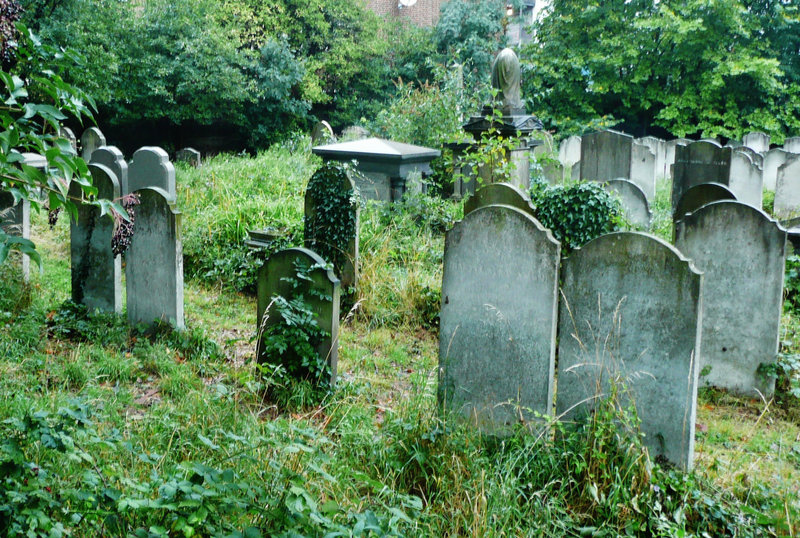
(634, 202)
(15, 219)
(91, 139)
(606, 155)
(787, 190)
(188, 155)
(96, 272)
(741, 252)
(757, 141)
(643, 169)
(154, 261)
(498, 318)
(700, 195)
(774, 159)
(499, 194)
(113, 159)
(150, 167)
(320, 292)
(630, 316)
(792, 145)
(331, 220)
(746, 180)
(699, 162)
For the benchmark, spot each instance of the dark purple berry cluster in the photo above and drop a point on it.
(123, 231)
(52, 216)
(10, 12)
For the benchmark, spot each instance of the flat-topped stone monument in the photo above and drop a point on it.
(15, 219)
(630, 315)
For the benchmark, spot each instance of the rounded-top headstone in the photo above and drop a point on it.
(112, 157)
(700, 195)
(91, 139)
(634, 201)
(322, 133)
(499, 194)
(150, 167)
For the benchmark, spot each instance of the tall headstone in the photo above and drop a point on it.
(630, 315)
(498, 318)
(700, 195)
(659, 149)
(643, 169)
(499, 194)
(757, 141)
(792, 145)
(606, 155)
(320, 293)
(634, 202)
(774, 159)
(15, 220)
(91, 139)
(96, 272)
(741, 252)
(697, 163)
(113, 159)
(746, 180)
(331, 220)
(188, 155)
(154, 261)
(150, 167)
(787, 190)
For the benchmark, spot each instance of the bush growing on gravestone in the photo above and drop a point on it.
(577, 213)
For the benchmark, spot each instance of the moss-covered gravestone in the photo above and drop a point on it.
(331, 220)
(499, 194)
(298, 315)
(700, 195)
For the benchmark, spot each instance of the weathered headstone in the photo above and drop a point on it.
(498, 319)
(746, 180)
(154, 261)
(630, 315)
(331, 220)
(322, 133)
(757, 141)
(697, 163)
(112, 158)
(15, 220)
(91, 139)
(150, 167)
(774, 159)
(569, 152)
(741, 252)
(792, 145)
(756, 157)
(669, 159)
(787, 190)
(67, 133)
(96, 272)
(643, 169)
(320, 291)
(659, 149)
(700, 195)
(634, 202)
(606, 155)
(499, 194)
(188, 155)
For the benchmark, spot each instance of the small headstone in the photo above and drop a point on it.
(91, 139)
(757, 141)
(643, 169)
(154, 261)
(630, 315)
(700, 195)
(66, 132)
(741, 252)
(746, 180)
(322, 133)
(15, 220)
(96, 272)
(792, 145)
(697, 163)
(606, 155)
(774, 159)
(112, 158)
(787, 190)
(320, 293)
(498, 319)
(150, 167)
(499, 194)
(659, 149)
(331, 220)
(569, 152)
(634, 202)
(188, 155)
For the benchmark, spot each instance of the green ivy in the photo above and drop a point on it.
(792, 284)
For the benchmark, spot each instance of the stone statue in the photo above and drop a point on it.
(506, 79)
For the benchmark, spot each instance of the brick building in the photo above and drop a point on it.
(422, 13)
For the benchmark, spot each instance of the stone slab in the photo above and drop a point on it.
(746, 180)
(569, 151)
(606, 155)
(699, 162)
(643, 169)
(787, 188)
(792, 145)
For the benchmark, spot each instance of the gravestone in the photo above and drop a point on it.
(150, 167)
(499, 194)
(544, 153)
(774, 159)
(630, 315)
(634, 202)
(67, 133)
(757, 141)
(700, 195)
(643, 169)
(96, 272)
(741, 252)
(792, 145)
(331, 220)
(15, 219)
(354, 132)
(91, 139)
(697, 163)
(669, 158)
(154, 261)
(322, 133)
(787, 190)
(606, 155)
(746, 180)
(320, 293)
(659, 149)
(498, 318)
(190, 156)
(113, 159)
(757, 158)
(569, 152)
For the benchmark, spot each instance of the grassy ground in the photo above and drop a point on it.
(109, 431)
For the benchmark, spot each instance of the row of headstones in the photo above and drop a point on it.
(93, 138)
(631, 309)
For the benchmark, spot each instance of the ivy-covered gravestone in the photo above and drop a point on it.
(298, 315)
(331, 220)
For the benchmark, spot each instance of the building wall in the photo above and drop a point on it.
(423, 13)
